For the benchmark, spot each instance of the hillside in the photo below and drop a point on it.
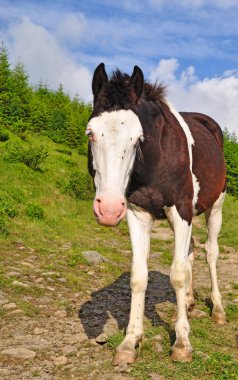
(65, 294)
(46, 225)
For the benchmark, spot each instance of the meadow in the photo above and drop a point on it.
(61, 305)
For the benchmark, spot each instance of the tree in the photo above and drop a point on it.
(79, 115)
(21, 98)
(5, 85)
(231, 157)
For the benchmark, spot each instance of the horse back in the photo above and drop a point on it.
(208, 158)
(210, 124)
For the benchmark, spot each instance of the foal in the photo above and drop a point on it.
(150, 162)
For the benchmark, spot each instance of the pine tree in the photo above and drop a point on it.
(231, 157)
(21, 98)
(40, 108)
(5, 85)
(60, 115)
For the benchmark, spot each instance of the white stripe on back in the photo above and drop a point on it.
(190, 142)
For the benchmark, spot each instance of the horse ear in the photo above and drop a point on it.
(137, 81)
(100, 78)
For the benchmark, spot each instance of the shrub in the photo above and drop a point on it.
(35, 211)
(231, 157)
(7, 205)
(80, 185)
(3, 224)
(34, 156)
(4, 135)
(64, 151)
(30, 155)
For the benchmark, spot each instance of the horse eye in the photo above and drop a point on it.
(89, 133)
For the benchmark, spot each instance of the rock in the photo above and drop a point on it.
(39, 331)
(158, 347)
(27, 264)
(2, 295)
(123, 367)
(20, 246)
(101, 339)
(13, 274)
(93, 257)
(3, 301)
(50, 288)
(62, 279)
(15, 312)
(49, 274)
(110, 329)
(61, 313)
(196, 313)
(19, 283)
(9, 306)
(60, 361)
(235, 300)
(76, 338)
(19, 353)
(39, 280)
(156, 376)
(69, 350)
(3, 372)
(202, 355)
(157, 338)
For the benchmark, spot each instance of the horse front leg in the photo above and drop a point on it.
(180, 279)
(140, 223)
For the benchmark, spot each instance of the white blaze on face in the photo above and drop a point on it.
(113, 137)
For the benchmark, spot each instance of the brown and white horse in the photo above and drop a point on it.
(150, 162)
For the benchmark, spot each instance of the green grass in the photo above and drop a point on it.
(56, 227)
(228, 235)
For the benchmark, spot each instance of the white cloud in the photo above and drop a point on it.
(216, 97)
(72, 27)
(45, 58)
(165, 71)
(223, 4)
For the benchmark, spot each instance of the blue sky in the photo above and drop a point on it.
(189, 45)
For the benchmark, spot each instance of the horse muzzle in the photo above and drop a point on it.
(109, 209)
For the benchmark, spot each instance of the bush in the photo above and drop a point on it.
(4, 135)
(7, 205)
(231, 157)
(64, 151)
(80, 185)
(30, 155)
(3, 224)
(7, 210)
(35, 211)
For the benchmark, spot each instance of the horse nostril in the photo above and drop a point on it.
(123, 204)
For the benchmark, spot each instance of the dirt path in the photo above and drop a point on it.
(63, 334)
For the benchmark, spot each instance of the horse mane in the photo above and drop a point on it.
(118, 87)
(155, 92)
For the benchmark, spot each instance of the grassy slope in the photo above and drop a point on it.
(68, 228)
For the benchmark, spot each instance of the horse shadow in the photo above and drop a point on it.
(113, 301)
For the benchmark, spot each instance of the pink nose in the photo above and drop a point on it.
(109, 209)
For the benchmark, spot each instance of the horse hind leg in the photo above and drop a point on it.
(214, 222)
(190, 301)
